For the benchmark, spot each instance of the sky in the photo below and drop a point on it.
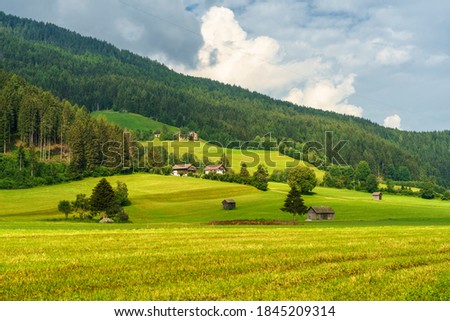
(386, 61)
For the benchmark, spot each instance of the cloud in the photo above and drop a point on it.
(327, 95)
(393, 121)
(434, 60)
(149, 28)
(284, 47)
(392, 56)
(129, 30)
(231, 56)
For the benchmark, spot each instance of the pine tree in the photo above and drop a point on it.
(103, 196)
(294, 203)
(244, 171)
(260, 178)
(121, 193)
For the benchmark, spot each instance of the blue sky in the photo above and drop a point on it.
(388, 61)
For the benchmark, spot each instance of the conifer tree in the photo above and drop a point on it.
(260, 178)
(294, 203)
(244, 171)
(103, 196)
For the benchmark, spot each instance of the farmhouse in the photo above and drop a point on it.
(377, 196)
(319, 213)
(215, 169)
(183, 169)
(229, 204)
(191, 136)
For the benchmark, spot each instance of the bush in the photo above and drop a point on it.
(446, 196)
(123, 217)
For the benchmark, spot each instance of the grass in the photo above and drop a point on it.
(396, 249)
(132, 121)
(172, 200)
(379, 263)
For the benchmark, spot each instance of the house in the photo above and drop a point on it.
(183, 169)
(229, 204)
(157, 134)
(315, 213)
(377, 196)
(191, 136)
(215, 169)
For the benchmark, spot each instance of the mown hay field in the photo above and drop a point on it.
(396, 249)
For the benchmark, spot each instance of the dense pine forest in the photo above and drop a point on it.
(95, 74)
(51, 140)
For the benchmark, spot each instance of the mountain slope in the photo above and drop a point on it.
(95, 74)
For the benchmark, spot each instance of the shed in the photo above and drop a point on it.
(377, 196)
(229, 204)
(315, 213)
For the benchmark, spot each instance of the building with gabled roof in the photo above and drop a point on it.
(315, 213)
(215, 169)
(229, 204)
(183, 169)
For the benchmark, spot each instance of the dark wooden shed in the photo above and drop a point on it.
(320, 213)
(229, 204)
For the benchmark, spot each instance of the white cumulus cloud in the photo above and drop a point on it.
(231, 56)
(393, 121)
(327, 95)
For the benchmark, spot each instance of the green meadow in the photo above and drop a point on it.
(132, 121)
(271, 159)
(396, 249)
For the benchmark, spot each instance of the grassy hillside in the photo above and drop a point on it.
(182, 200)
(271, 159)
(132, 121)
(396, 249)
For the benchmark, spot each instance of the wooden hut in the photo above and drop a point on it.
(377, 196)
(315, 213)
(229, 204)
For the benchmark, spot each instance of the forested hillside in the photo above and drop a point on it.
(51, 140)
(93, 73)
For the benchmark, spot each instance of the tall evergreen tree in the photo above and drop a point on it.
(102, 197)
(244, 171)
(294, 203)
(260, 178)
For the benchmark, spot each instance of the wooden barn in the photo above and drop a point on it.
(183, 169)
(315, 213)
(215, 169)
(229, 204)
(377, 196)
